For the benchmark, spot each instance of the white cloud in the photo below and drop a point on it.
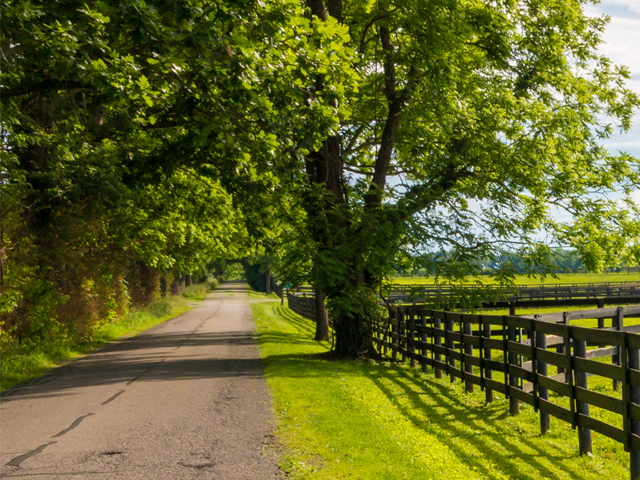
(621, 40)
(632, 5)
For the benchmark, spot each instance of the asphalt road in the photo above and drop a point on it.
(187, 399)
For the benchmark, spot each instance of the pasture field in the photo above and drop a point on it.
(377, 420)
(524, 279)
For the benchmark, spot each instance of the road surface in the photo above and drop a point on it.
(186, 399)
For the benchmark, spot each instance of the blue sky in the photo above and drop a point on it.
(622, 46)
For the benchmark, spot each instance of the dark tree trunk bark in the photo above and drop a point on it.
(2, 254)
(267, 279)
(353, 336)
(322, 319)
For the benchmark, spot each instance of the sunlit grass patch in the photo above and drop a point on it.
(370, 420)
(252, 294)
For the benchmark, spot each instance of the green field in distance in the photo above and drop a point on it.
(549, 280)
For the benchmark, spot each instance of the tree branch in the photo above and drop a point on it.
(44, 86)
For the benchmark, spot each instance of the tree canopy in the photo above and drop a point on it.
(344, 138)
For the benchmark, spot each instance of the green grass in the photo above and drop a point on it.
(25, 362)
(523, 279)
(362, 419)
(543, 310)
(252, 294)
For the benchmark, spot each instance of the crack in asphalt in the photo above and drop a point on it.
(147, 370)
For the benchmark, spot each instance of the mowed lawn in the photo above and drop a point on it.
(362, 419)
(525, 280)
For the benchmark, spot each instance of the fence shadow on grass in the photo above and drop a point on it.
(486, 422)
(479, 435)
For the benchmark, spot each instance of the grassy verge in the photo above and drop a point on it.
(252, 294)
(524, 279)
(377, 421)
(25, 362)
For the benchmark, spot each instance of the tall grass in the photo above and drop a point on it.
(197, 291)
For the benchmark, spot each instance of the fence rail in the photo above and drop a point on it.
(302, 304)
(491, 351)
(573, 294)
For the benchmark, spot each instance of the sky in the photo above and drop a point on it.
(622, 46)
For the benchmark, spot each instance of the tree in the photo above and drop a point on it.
(468, 122)
(125, 128)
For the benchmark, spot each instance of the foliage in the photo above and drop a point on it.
(105, 108)
(342, 140)
(471, 123)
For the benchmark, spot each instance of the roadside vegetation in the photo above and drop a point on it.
(23, 361)
(252, 294)
(198, 291)
(374, 420)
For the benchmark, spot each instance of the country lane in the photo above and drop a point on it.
(186, 399)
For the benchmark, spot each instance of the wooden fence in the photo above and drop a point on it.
(515, 357)
(598, 294)
(303, 304)
(541, 299)
(277, 288)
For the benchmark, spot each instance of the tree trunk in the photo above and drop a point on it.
(267, 279)
(322, 319)
(353, 335)
(175, 286)
(2, 254)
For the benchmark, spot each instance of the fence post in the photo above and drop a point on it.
(634, 396)
(411, 337)
(437, 341)
(450, 346)
(560, 348)
(423, 337)
(543, 393)
(468, 350)
(582, 408)
(486, 332)
(385, 331)
(514, 403)
(402, 333)
(618, 324)
(394, 333)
